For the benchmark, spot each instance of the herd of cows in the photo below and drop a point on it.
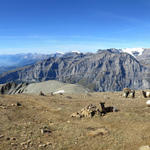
(129, 92)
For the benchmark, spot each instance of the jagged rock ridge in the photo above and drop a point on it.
(107, 70)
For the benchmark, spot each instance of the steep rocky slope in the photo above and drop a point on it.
(144, 58)
(12, 88)
(141, 54)
(104, 71)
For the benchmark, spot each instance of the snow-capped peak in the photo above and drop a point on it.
(76, 52)
(134, 51)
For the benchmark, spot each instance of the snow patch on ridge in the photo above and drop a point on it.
(60, 91)
(76, 52)
(133, 51)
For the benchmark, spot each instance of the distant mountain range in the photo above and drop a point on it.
(13, 61)
(106, 70)
(20, 59)
(9, 62)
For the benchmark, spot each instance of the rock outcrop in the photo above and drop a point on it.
(89, 111)
(12, 88)
(92, 110)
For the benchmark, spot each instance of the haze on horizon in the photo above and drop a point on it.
(47, 26)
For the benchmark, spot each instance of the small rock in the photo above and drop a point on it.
(8, 138)
(45, 130)
(69, 97)
(23, 143)
(100, 131)
(76, 114)
(13, 138)
(42, 145)
(3, 107)
(29, 141)
(68, 121)
(48, 143)
(13, 104)
(13, 144)
(26, 146)
(18, 104)
(31, 144)
(58, 109)
(1, 136)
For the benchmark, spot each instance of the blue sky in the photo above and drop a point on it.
(46, 26)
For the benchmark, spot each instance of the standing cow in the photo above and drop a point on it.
(127, 92)
(146, 94)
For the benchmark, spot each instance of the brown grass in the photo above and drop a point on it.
(127, 129)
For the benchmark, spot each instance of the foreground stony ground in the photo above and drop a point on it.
(43, 122)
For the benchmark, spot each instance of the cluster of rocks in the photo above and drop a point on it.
(88, 111)
(92, 110)
(45, 145)
(45, 129)
(17, 104)
(26, 144)
(3, 106)
(12, 140)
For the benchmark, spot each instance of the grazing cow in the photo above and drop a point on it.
(146, 94)
(127, 92)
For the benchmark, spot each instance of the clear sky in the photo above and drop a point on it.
(46, 26)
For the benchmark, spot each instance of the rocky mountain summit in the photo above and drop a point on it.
(109, 70)
(141, 54)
